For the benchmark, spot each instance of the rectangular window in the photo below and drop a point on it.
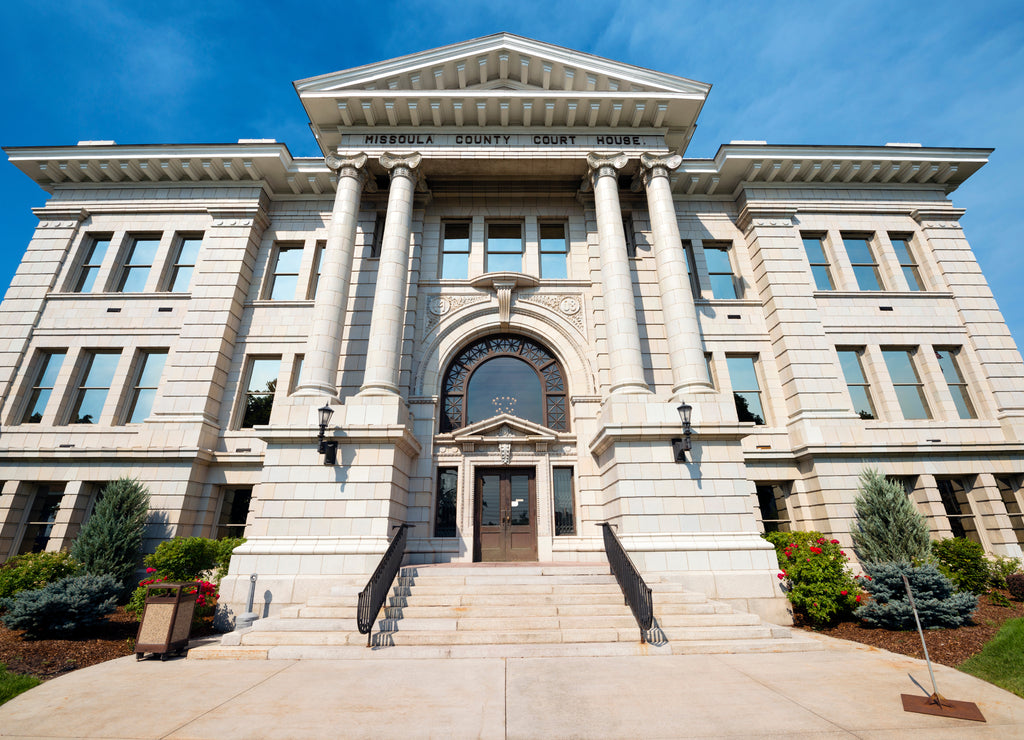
(314, 280)
(814, 247)
(629, 231)
(955, 381)
(377, 240)
(447, 492)
(554, 251)
(953, 493)
(185, 264)
(771, 500)
(901, 245)
(907, 384)
(91, 264)
(455, 250)
(745, 389)
(137, 263)
(856, 383)
(151, 367)
(504, 251)
(41, 517)
(46, 376)
(234, 510)
(97, 375)
(1009, 491)
(723, 282)
(296, 373)
(565, 501)
(865, 266)
(284, 278)
(259, 390)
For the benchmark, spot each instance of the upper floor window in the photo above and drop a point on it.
(97, 375)
(147, 380)
(137, 264)
(907, 383)
(455, 250)
(377, 240)
(815, 248)
(901, 245)
(955, 381)
(284, 277)
(504, 374)
(46, 376)
(314, 279)
(723, 281)
(91, 264)
(745, 389)
(629, 231)
(856, 383)
(554, 251)
(261, 384)
(504, 251)
(184, 264)
(862, 259)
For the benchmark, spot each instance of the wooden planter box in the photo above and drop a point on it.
(167, 619)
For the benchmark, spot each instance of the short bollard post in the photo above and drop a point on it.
(245, 620)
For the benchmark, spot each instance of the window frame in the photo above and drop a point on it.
(864, 384)
(40, 367)
(451, 528)
(826, 266)
(127, 266)
(274, 274)
(858, 267)
(445, 250)
(780, 493)
(736, 393)
(954, 507)
(137, 388)
(489, 252)
(377, 237)
(564, 252)
(42, 492)
(177, 265)
(918, 284)
(315, 269)
(910, 352)
(247, 391)
(225, 526)
(958, 387)
(86, 364)
(89, 267)
(570, 529)
(726, 249)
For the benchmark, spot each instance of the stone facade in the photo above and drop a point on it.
(818, 307)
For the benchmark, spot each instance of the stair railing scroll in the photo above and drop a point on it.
(372, 598)
(634, 589)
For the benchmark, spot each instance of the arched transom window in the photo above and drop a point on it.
(505, 374)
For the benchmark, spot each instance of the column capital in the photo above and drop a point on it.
(352, 166)
(401, 165)
(605, 165)
(657, 165)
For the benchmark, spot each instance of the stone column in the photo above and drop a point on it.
(387, 321)
(625, 361)
(323, 350)
(686, 351)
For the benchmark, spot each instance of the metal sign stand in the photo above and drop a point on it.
(936, 704)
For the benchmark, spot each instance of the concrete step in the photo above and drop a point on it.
(517, 579)
(414, 652)
(505, 570)
(502, 598)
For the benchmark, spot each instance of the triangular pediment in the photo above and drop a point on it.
(504, 426)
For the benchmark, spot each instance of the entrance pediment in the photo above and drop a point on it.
(503, 427)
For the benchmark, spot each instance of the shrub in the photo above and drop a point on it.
(963, 562)
(815, 576)
(206, 598)
(889, 529)
(1000, 568)
(34, 570)
(110, 541)
(938, 603)
(189, 558)
(68, 605)
(1015, 584)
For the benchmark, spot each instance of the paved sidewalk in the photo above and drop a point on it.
(846, 690)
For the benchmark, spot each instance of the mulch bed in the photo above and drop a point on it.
(46, 659)
(946, 646)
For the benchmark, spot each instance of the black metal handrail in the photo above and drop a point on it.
(636, 592)
(372, 598)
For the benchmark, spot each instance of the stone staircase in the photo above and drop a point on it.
(507, 610)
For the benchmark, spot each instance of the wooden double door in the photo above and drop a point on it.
(506, 515)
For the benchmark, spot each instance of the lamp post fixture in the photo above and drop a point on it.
(328, 449)
(680, 446)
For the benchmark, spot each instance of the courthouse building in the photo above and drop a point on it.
(504, 276)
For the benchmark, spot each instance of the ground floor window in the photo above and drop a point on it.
(447, 492)
(41, 517)
(771, 500)
(565, 501)
(234, 510)
(1010, 492)
(953, 492)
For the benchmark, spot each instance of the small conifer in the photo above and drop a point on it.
(888, 528)
(110, 541)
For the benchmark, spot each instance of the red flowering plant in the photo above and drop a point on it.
(815, 576)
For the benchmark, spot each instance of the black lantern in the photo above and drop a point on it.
(328, 449)
(680, 446)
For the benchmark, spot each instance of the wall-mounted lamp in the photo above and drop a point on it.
(328, 449)
(681, 446)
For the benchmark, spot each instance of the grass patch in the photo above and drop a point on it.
(1001, 661)
(12, 684)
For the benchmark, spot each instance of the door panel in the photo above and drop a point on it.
(490, 528)
(506, 518)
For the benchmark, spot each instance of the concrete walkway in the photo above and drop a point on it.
(846, 690)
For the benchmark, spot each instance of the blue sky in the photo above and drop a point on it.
(939, 73)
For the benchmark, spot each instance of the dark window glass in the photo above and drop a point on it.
(234, 510)
(1009, 491)
(137, 264)
(184, 265)
(490, 500)
(91, 264)
(455, 251)
(41, 517)
(505, 385)
(953, 493)
(259, 394)
(377, 242)
(629, 231)
(771, 499)
(565, 506)
(856, 383)
(504, 248)
(745, 390)
(92, 393)
(447, 493)
(554, 251)
(49, 366)
(314, 280)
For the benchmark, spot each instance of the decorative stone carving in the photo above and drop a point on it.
(654, 165)
(569, 307)
(603, 165)
(438, 306)
(404, 165)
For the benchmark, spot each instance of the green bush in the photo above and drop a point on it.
(190, 558)
(815, 576)
(65, 606)
(1000, 569)
(1015, 584)
(34, 570)
(963, 562)
(888, 527)
(938, 603)
(110, 541)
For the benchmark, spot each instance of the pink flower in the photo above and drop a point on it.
(842, 593)
(858, 598)
(151, 570)
(835, 542)
(781, 576)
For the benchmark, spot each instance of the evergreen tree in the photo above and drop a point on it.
(112, 538)
(888, 528)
